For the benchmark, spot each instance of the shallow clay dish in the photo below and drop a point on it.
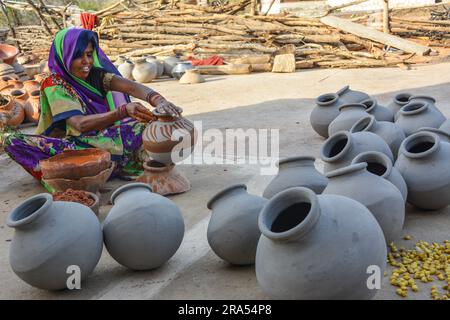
(75, 164)
(91, 183)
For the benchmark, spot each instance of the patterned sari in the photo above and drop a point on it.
(62, 96)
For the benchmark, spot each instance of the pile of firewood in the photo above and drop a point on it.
(152, 27)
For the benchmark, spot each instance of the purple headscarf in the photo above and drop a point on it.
(70, 44)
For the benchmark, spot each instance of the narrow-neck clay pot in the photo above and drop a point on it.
(340, 149)
(143, 229)
(380, 113)
(423, 162)
(443, 135)
(380, 196)
(390, 132)
(379, 164)
(445, 126)
(400, 100)
(317, 247)
(418, 114)
(233, 231)
(327, 108)
(143, 71)
(126, 69)
(296, 172)
(50, 236)
(349, 114)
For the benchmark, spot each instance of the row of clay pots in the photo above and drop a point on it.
(142, 231)
(146, 69)
(420, 162)
(143, 70)
(335, 112)
(283, 234)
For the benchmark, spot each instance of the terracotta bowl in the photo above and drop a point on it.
(76, 164)
(8, 53)
(92, 183)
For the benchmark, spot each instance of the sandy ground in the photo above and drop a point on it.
(272, 101)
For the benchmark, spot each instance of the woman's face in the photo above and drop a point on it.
(81, 66)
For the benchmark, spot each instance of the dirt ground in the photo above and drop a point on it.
(269, 100)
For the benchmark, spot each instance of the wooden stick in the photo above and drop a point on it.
(51, 17)
(40, 17)
(11, 28)
(386, 27)
(374, 35)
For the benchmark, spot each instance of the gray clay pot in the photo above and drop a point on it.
(143, 229)
(317, 247)
(380, 196)
(390, 132)
(400, 100)
(349, 114)
(427, 99)
(379, 164)
(159, 65)
(169, 63)
(49, 237)
(340, 149)
(296, 172)
(445, 126)
(423, 162)
(233, 231)
(327, 108)
(380, 112)
(418, 114)
(443, 135)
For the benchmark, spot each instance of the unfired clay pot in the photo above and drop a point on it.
(327, 108)
(380, 112)
(445, 126)
(51, 236)
(233, 231)
(340, 149)
(427, 99)
(317, 247)
(390, 132)
(379, 164)
(423, 162)
(380, 196)
(169, 63)
(296, 172)
(143, 229)
(400, 100)
(169, 140)
(126, 69)
(416, 115)
(349, 114)
(443, 135)
(159, 65)
(144, 71)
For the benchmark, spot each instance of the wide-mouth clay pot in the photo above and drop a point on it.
(76, 164)
(8, 53)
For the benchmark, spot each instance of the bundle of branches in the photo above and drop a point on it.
(153, 27)
(163, 29)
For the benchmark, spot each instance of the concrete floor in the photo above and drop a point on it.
(267, 100)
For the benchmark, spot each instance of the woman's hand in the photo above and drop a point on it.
(164, 106)
(137, 111)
